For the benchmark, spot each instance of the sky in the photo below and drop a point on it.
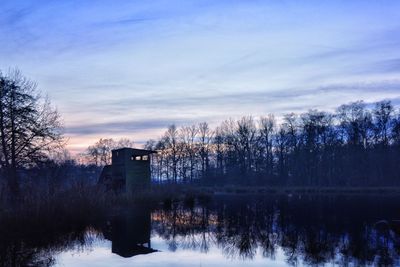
(129, 69)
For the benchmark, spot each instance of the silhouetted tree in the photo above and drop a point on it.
(267, 133)
(353, 146)
(205, 137)
(29, 126)
(189, 134)
(174, 147)
(99, 154)
(382, 120)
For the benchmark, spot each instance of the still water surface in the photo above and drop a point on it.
(245, 231)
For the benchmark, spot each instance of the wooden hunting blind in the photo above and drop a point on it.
(129, 170)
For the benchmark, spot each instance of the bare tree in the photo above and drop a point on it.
(219, 149)
(188, 137)
(100, 152)
(246, 136)
(355, 122)
(267, 132)
(205, 137)
(395, 133)
(382, 119)
(29, 126)
(171, 138)
(124, 142)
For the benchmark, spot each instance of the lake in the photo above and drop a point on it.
(241, 230)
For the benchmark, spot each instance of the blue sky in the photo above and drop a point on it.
(130, 68)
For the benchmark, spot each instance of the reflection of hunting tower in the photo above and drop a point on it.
(129, 170)
(130, 232)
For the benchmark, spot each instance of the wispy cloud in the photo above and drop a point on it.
(167, 101)
(118, 127)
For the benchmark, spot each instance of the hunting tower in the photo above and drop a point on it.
(129, 170)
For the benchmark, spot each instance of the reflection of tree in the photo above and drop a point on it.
(39, 248)
(313, 231)
(186, 228)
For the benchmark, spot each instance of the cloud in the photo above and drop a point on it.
(124, 21)
(194, 101)
(118, 127)
(279, 102)
(135, 66)
(386, 66)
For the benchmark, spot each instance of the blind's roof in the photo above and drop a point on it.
(136, 151)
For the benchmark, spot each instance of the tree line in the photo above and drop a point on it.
(357, 144)
(99, 154)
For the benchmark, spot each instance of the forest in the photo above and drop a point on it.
(358, 144)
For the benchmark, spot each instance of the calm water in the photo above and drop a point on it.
(240, 231)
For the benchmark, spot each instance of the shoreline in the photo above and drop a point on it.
(281, 190)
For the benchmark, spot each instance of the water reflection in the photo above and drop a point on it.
(313, 230)
(129, 233)
(37, 246)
